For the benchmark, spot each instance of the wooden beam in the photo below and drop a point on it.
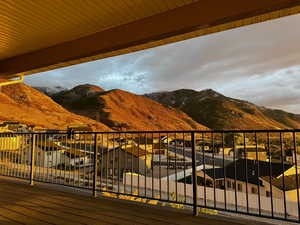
(199, 15)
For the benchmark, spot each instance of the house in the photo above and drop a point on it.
(10, 142)
(234, 175)
(153, 146)
(204, 146)
(116, 161)
(287, 185)
(79, 130)
(252, 152)
(14, 126)
(51, 154)
(291, 157)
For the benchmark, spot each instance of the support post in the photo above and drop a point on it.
(32, 165)
(95, 166)
(194, 175)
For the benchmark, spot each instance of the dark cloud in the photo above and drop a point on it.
(259, 63)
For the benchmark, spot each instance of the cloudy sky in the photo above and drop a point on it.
(259, 63)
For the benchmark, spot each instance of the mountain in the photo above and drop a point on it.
(22, 103)
(122, 110)
(217, 111)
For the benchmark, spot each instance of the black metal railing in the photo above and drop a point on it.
(248, 172)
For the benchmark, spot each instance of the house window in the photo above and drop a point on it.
(218, 182)
(268, 194)
(254, 190)
(229, 184)
(240, 187)
(233, 184)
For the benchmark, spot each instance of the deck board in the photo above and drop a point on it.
(21, 203)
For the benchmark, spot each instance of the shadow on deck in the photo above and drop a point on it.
(21, 203)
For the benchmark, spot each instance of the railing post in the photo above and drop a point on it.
(32, 159)
(95, 166)
(194, 175)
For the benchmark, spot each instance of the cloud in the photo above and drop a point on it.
(259, 63)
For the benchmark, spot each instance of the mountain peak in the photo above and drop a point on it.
(210, 92)
(87, 89)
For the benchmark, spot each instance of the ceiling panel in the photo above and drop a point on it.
(29, 25)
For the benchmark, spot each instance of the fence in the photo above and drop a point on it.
(248, 172)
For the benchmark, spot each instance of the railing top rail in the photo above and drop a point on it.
(162, 132)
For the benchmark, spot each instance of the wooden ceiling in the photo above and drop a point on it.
(40, 35)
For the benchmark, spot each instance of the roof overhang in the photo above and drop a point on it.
(171, 21)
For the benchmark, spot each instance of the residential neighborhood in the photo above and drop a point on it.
(159, 165)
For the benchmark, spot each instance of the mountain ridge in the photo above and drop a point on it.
(122, 110)
(20, 102)
(217, 111)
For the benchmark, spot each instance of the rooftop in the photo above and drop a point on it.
(252, 170)
(289, 183)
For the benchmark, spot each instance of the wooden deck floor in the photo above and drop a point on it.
(42, 204)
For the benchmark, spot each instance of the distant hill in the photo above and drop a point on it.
(49, 91)
(22, 103)
(123, 110)
(217, 111)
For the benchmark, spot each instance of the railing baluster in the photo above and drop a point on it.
(65, 159)
(159, 165)
(2, 149)
(107, 160)
(95, 165)
(183, 149)
(270, 174)
(9, 154)
(168, 182)
(283, 176)
(258, 180)
(235, 174)
(113, 162)
(101, 162)
(119, 159)
(194, 175)
(131, 177)
(204, 169)
(176, 191)
(246, 170)
(138, 159)
(126, 163)
(145, 165)
(32, 159)
(214, 169)
(152, 166)
(224, 171)
(297, 178)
